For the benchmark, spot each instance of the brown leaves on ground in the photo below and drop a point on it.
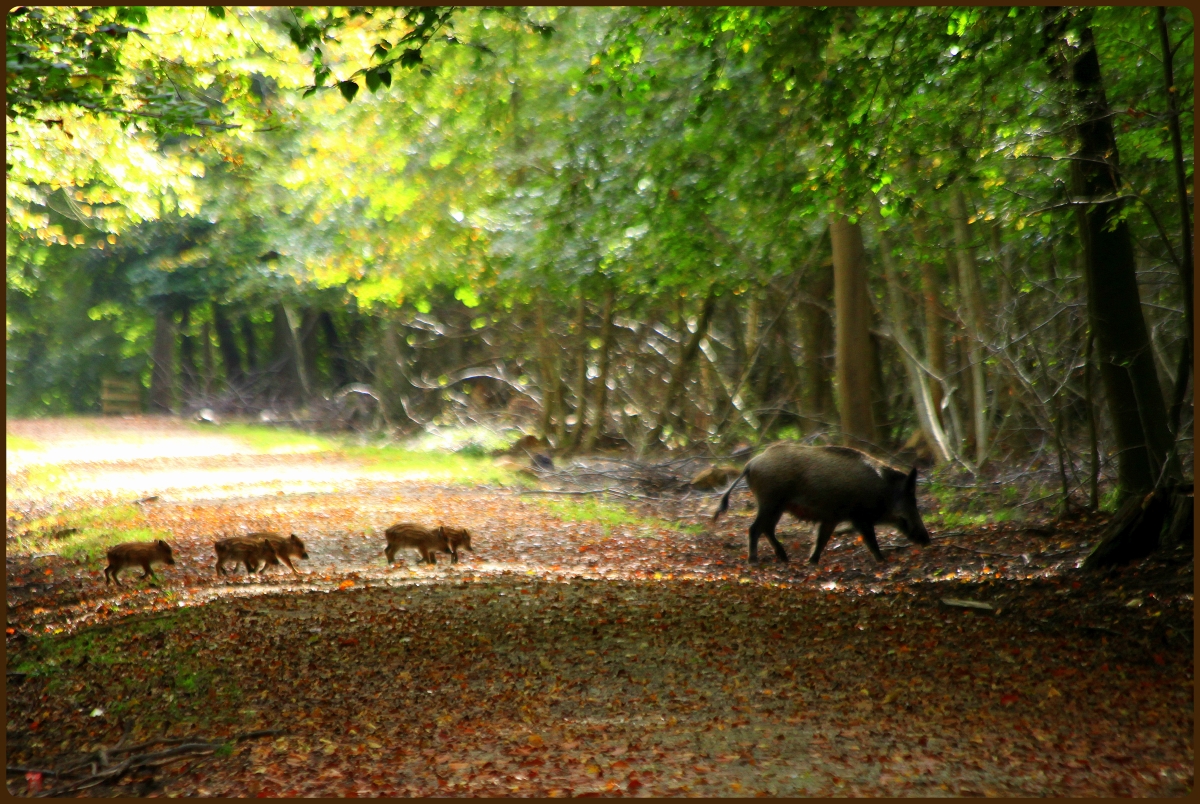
(561, 659)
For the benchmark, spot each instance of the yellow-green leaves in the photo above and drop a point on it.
(467, 296)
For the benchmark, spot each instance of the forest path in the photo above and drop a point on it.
(562, 657)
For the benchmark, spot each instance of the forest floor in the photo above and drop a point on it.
(577, 651)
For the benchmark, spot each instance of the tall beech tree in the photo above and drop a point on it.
(1135, 398)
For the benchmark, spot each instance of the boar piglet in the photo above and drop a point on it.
(828, 485)
(456, 538)
(284, 549)
(427, 541)
(249, 551)
(133, 554)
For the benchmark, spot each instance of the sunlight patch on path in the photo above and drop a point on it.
(92, 439)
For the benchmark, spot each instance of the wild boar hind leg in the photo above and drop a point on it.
(764, 524)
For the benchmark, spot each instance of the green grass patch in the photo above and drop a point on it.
(471, 441)
(96, 529)
(964, 519)
(1110, 500)
(273, 439)
(104, 647)
(191, 681)
(609, 515)
(12, 442)
(459, 456)
(454, 467)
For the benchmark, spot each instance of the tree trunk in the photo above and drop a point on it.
(206, 356)
(816, 337)
(790, 374)
(339, 368)
(606, 339)
(389, 379)
(668, 413)
(918, 382)
(854, 356)
(252, 364)
(283, 357)
(227, 346)
(162, 358)
(552, 402)
(581, 365)
(1185, 224)
(751, 340)
(935, 337)
(188, 375)
(307, 340)
(971, 305)
(1093, 440)
(1127, 369)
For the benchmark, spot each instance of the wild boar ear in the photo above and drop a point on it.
(910, 482)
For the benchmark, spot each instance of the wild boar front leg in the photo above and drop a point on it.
(146, 571)
(765, 522)
(868, 533)
(823, 534)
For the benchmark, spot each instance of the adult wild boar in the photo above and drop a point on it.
(828, 485)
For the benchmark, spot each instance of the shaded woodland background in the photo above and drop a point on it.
(950, 235)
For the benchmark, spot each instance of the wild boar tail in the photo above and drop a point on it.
(724, 506)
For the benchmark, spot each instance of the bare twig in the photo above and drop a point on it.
(981, 552)
(183, 746)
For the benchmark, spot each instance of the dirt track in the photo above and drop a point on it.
(560, 659)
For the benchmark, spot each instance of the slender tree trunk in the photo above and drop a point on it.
(162, 358)
(852, 331)
(389, 382)
(669, 412)
(791, 373)
(935, 337)
(188, 375)
(1127, 370)
(339, 367)
(606, 338)
(751, 339)
(816, 337)
(581, 365)
(553, 420)
(1006, 384)
(299, 363)
(971, 297)
(283, 357)
(1093, 440)
(231, 358)
(252, 364)
(1185, 223)
(918, 383)
(307, 339)
(206, 356)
